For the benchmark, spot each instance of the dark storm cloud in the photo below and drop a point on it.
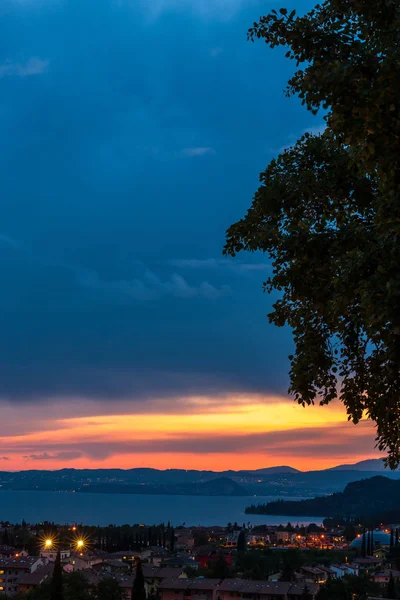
(129, 140)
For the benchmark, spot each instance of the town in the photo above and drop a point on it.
(198, 563)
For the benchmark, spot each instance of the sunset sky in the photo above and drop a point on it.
(132, 136)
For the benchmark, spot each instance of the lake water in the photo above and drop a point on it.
(118, 509)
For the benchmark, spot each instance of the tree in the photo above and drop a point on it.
(391, 588)
(219, 568)
(172, 540)
(391, 538)
(138, 589)
(241, 543)
(288, 572)
(57, 592)
(363, 545)
(369, 543)
(109, 589)
(76, 586)
(328, 211)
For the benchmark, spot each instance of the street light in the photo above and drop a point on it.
(80, 544)
(48, 543)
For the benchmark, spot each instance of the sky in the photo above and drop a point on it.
(132, 134)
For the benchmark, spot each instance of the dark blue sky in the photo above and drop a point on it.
(132, 134)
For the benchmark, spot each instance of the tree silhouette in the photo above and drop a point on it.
(241, 543)
(138, 588)
(327, 211)
(391, 588)
(57, 592)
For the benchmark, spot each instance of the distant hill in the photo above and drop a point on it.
(376, 495)
(372, 464)
(279, 482)
(272, 470)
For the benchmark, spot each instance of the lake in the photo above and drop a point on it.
(118, 509)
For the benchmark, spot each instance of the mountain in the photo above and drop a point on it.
(279, 482)
(372, 464)
(374, 496)
(272, 470)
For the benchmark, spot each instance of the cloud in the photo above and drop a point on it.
(151, 287)
(316, 129)
(34, 66)
(4, 458)
(64, 455)
(198, 151)
(208, 9)
(218, 263)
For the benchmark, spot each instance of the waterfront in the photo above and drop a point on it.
(118, 509)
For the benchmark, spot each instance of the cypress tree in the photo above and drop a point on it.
(172, 540)
(363, 545)
(391, 538)
(391, 588)
(368, 543)
(241, 543)
(6, 539)
(56, 591)
(138, 589)
(372, 542)
(397, 537)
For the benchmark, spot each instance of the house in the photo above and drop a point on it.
(51, 554)
(111, 566)
(188, 589)
(153, 576)
(383, 577)
(180, 561)
(12, 568)
(210, 555)
(340, 570)
(127, 556)
(366, 564)
(314, 574)
(245, 589)
(84, 561)
(30, 581)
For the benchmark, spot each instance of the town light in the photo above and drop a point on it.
(48, 543)
(80, 544)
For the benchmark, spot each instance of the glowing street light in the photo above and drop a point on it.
(80, 544)
(48, 543)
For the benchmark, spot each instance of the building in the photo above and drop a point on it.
(52, 554)
(153, 576)
(84, 561)
(383, 577)
(380, 538)
(188, 589)
(180, 561)
(339, 571)
(30, 581)
(11, 570)
(314, 574)
(227, 589)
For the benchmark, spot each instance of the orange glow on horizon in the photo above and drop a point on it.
(258, 432)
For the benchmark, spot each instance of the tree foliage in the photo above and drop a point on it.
(241, 542)
(328, 211)
(109, 589)
(138, 589)
(57, 592)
